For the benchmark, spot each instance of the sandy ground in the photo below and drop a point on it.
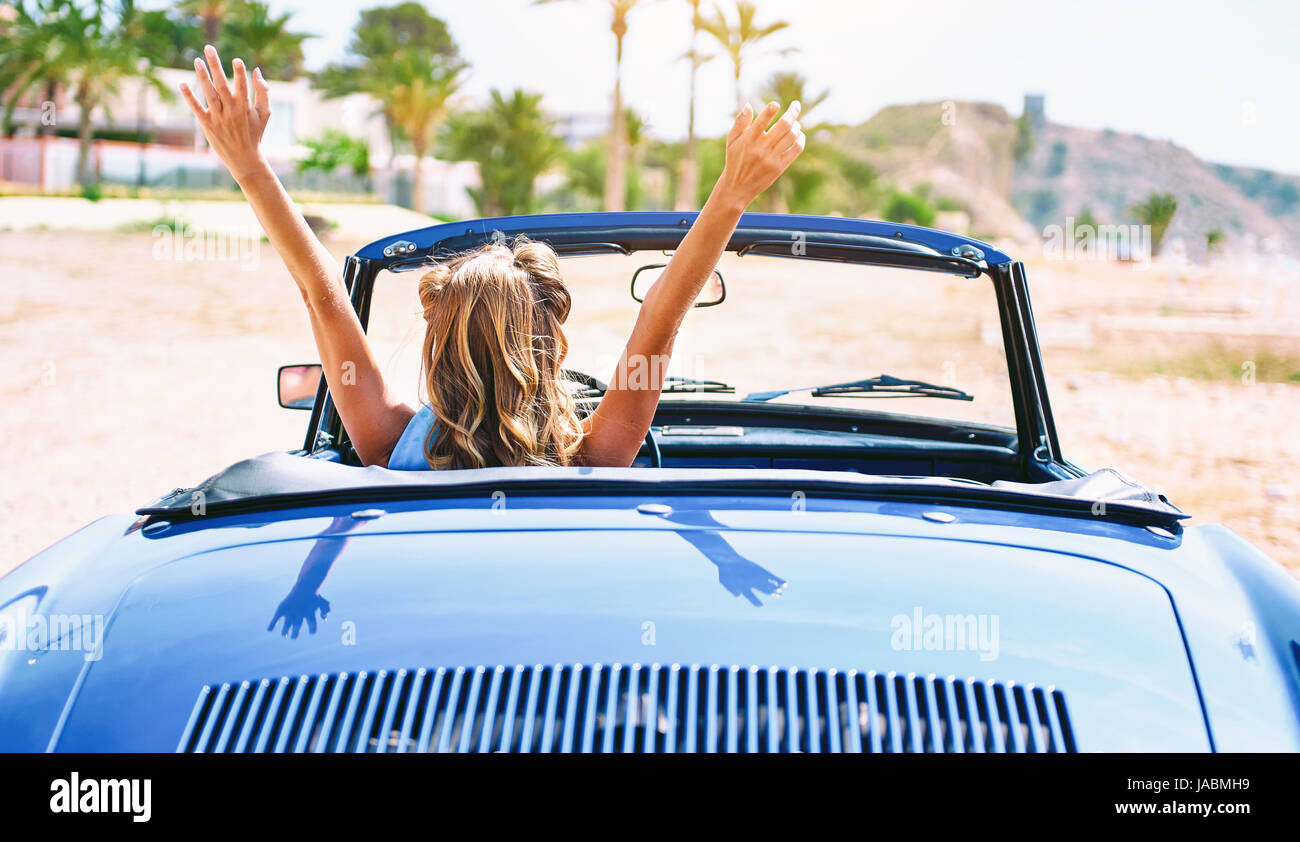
(130, 371)
(363, 221)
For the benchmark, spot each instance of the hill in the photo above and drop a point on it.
(969, 153)
(961, 152)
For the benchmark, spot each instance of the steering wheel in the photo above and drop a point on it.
(651, 443)
(656, 458)
(583, 379)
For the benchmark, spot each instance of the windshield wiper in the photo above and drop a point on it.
(687, 384)
(883, 385)
(595, 388)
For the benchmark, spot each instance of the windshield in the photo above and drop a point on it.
(785, 327)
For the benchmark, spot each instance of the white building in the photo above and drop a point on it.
(177, 155)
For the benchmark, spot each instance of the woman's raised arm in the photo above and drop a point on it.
(233, 125)
(756, 156)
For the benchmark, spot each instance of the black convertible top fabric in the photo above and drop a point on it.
(286, 477)
(1107, 485)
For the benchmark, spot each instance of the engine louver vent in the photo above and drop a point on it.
(618, 708)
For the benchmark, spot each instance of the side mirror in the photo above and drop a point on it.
(297, 385)
(713, 293)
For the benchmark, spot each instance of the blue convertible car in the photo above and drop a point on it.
(852, 528)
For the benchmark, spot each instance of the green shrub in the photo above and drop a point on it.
(908, 208)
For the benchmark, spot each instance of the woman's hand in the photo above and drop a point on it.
(232, 125)
(755, 158)
(373, 416)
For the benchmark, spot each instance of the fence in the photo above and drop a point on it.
(50, 164)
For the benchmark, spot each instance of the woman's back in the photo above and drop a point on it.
(408, 453)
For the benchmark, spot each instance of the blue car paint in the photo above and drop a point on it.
(560, 580)
(1177, 642)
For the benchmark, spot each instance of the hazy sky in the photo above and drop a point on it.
(1220, 79)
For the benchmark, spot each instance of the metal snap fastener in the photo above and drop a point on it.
(654, 509)
(939, 517)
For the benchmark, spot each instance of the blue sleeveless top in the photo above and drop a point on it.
(408, 454)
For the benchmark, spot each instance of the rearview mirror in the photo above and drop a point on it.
(713, 293)
(297, 385)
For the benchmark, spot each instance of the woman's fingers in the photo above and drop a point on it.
(792, 151)
(218, 72)
(782, 133)
(241, 80)
(764, 118)
(779, 134)
(205, 83)
(261, 92)
(756, 154)
(743, 121)
(195, 105)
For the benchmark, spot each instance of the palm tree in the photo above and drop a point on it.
(263, 39)
(23, 64)
(586, 165)
(788, 87)
(688, 177)
(615, 187)
(738, 40)
(798, 187)
(211, 14)
(1156, 212)
(513, 142)
(91, 47)
(417, 99)
(170, 40)
(405, 59)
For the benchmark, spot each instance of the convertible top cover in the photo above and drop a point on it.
(281, 480)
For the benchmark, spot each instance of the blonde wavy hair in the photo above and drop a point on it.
(494, 347)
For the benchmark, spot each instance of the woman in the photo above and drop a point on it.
(494, 342)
